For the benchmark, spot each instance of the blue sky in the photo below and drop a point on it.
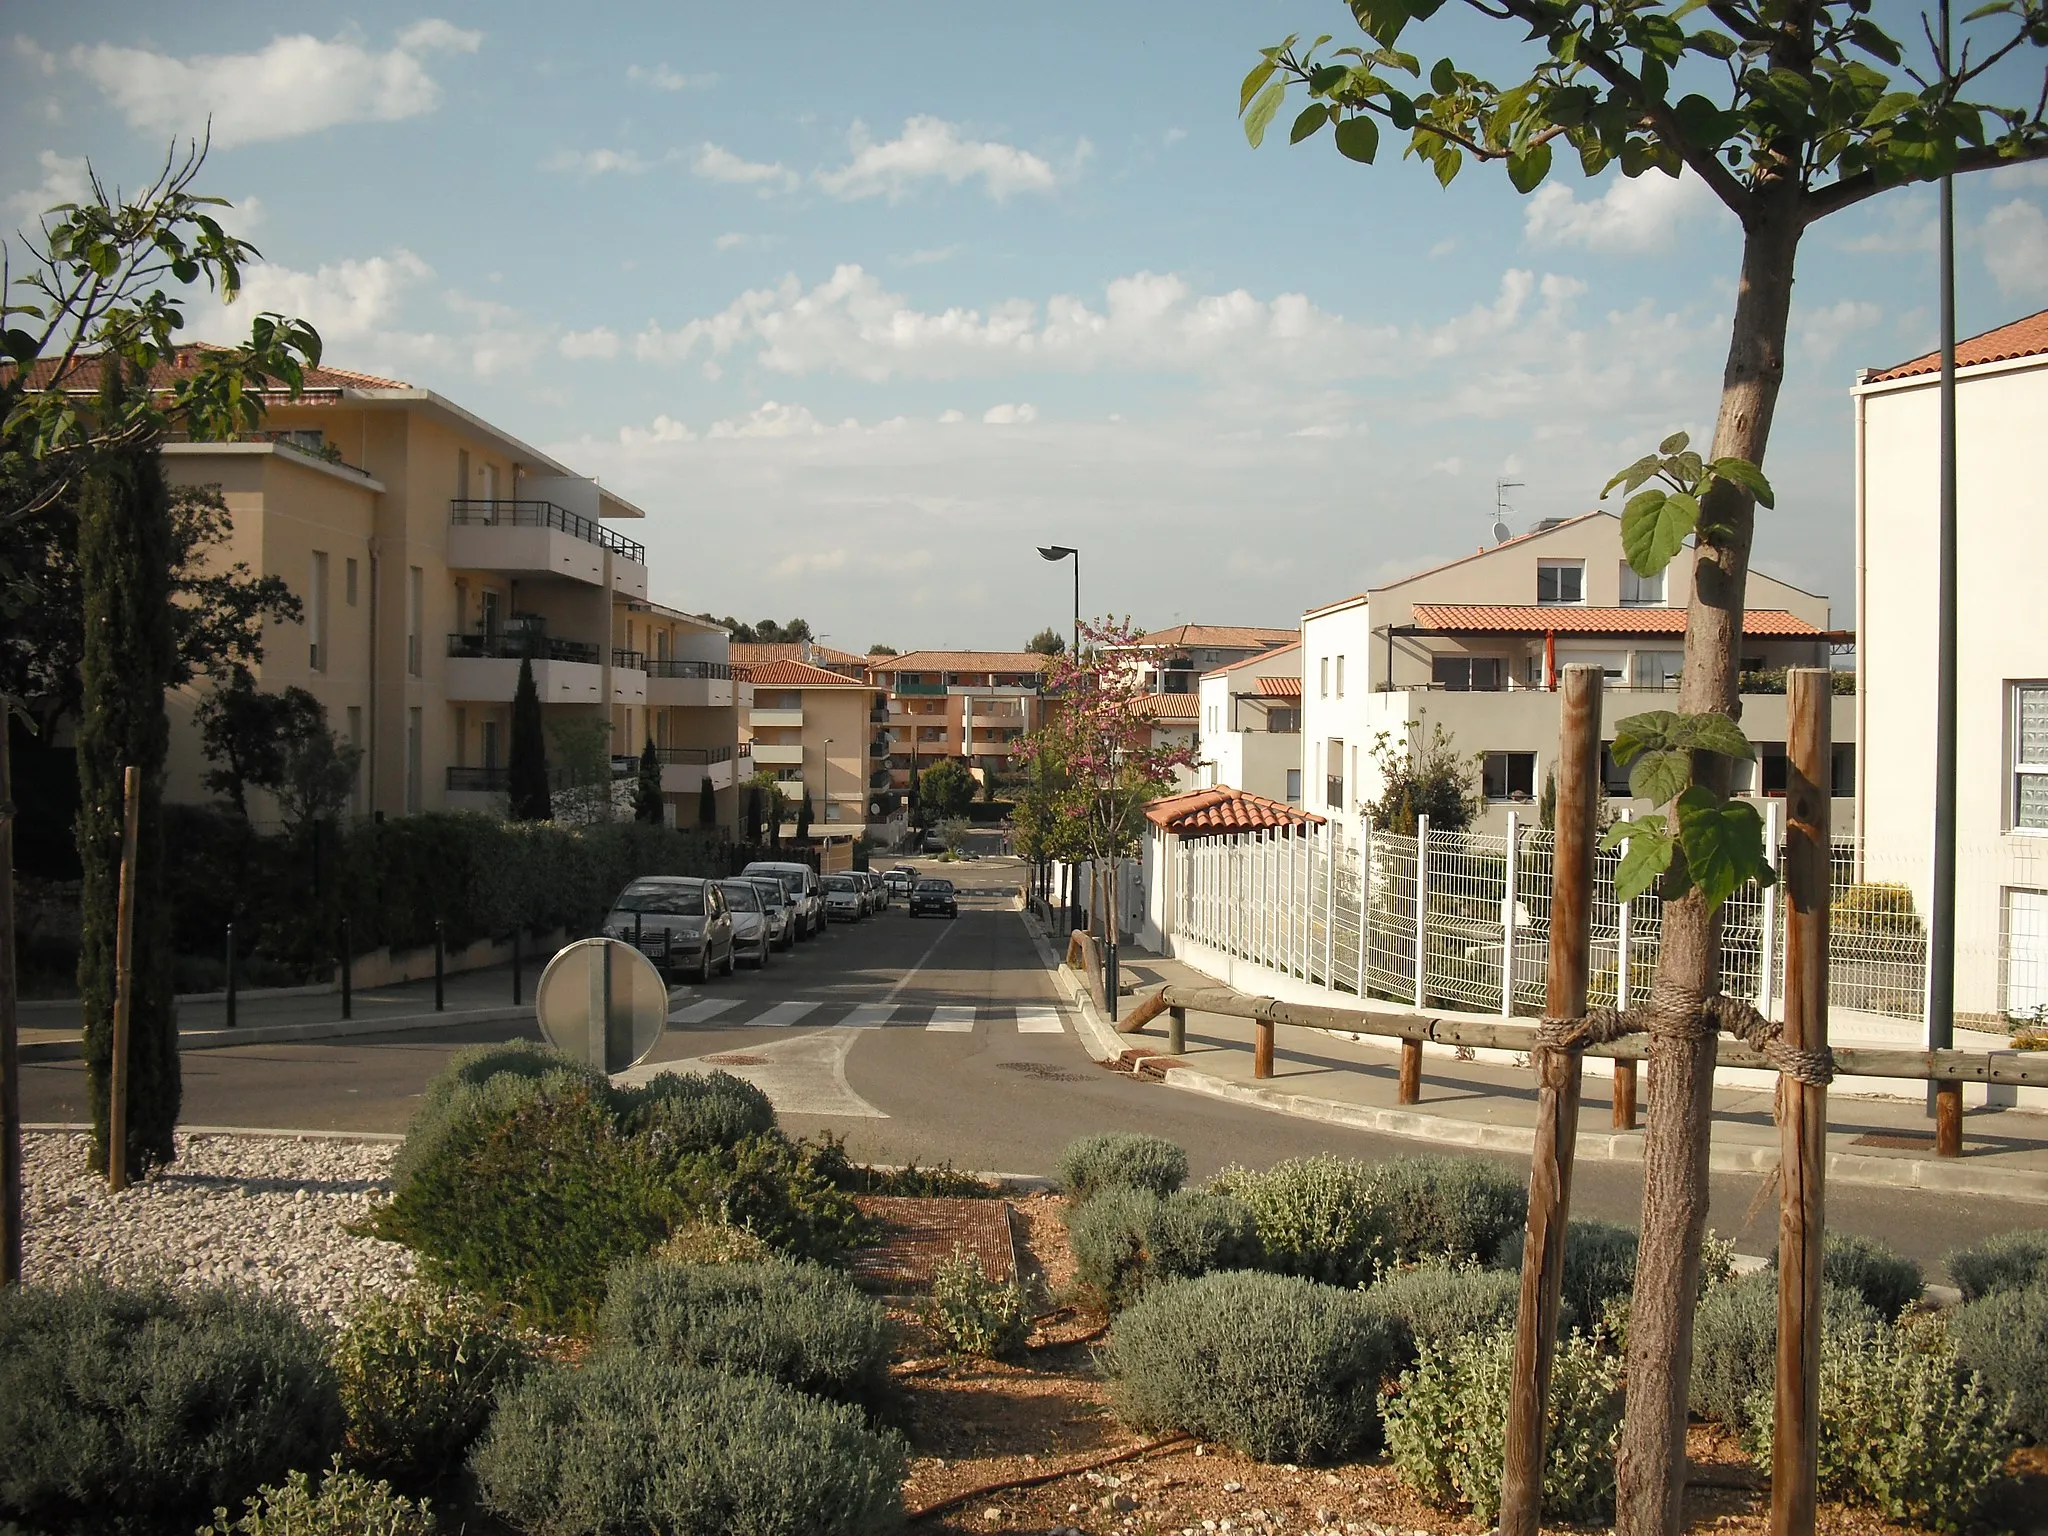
(863, 305)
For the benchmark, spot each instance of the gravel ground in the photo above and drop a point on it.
(266, 1211)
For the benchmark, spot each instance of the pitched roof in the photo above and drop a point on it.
(960, 661)
(1227, 637)
(1477, 554)
(1208, 812)
(752, 655)
(1532, 619)
(1171, 706)
(84, 377)
(797, 674)
(1264, 658)
(1280, 687)
(2025, 337)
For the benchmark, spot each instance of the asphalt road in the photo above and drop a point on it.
(906, 1037)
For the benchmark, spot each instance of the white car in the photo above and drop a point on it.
(752, 927)
(845, 902)
(801, 881)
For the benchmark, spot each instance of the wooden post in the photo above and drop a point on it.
(1262, 1048)
(124, 981)
(1624, 1071)
(1624, 1095)
(1557, 1103)
(1176, 1031)
(1411, 1072)
(1948, 1119)
(1802, 1108)
(10, 1037)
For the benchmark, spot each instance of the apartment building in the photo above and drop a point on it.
(972, 705)
(818, 732)
(1250, 717)
(1475, 647)
(2001, 651)
(432, 551)
(1173, 660)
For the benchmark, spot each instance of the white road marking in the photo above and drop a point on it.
(704, 1012)
(952, 1021)
(1037, 1019)
(868, 1016)
(802, 1075)
(782, 1015)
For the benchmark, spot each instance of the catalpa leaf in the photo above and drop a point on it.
(1654, 528)
(1745, 474)
(1312, 117)
(1675, 443)
(1642, 733)
(1260, 74)
(1261, 114)
(1712, 732)
(1358, 138)
(1647, 859)
(1660, 775)
(1724, 844)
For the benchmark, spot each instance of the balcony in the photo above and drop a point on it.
(684, 769)
(484, 669)
(511, 645)
(774, 755)
(920, 690)
(629, 677)
(769, 719)
(691, 684)
(542, 538)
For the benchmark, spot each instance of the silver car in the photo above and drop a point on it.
(680, 923)
(751, 937)
(844, 900)
(801, 881)
(779, 909)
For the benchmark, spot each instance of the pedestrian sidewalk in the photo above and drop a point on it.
(1318, 1075)
(272, 1017)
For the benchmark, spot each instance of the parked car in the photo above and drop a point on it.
(779, 909)
(878, 893)
(900, 880)
(750, 928)
(932, 843)
(844, 901)
(935, 896)
(801, 881)
(682, 924)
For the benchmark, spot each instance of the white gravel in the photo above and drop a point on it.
(262, 1211)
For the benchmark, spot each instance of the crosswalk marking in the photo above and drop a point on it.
(1034, 1019)
(704, 1012)
(782, 1015)
(868, 1016)
(952, 1021)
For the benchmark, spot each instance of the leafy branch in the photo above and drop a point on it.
(1655, 523)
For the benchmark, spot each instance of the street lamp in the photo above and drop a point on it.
(828, 783)
(1061, 552)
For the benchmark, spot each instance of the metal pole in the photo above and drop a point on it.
(1767, 944)
(124, 985)
(440, 966)
(1421, 911)
(10, 1034)
(231, 976)
(1329, 844)
(348, 1007)
(1511, 895)
(1077, 604)
(1946, 1099)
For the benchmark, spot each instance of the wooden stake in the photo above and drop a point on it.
(1948, 1120)
(10, 1044)
(1624, 1095)
(1802, 1108)
(124, 967)
(1557, 1103)
(1411, 1072)
(1262, 1048)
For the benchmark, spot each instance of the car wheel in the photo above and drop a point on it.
(731, 964)
(702, 969)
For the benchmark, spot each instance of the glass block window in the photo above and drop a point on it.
(2030, 756)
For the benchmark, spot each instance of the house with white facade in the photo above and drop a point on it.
(1475, 647)
(1250, 723)
(2001, 657)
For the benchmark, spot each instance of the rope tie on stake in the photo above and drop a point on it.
(1692, 1019)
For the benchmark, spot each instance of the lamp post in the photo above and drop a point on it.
(828, 788)
(1061, 552)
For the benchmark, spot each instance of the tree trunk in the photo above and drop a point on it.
(10, 1052)
(1651, 1470)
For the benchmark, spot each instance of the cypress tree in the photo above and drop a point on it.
(647, 788)
(526, 766)
(803, 818)
(707, 804)
(753, 813)
(124, 569)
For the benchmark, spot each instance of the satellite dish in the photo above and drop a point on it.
(1500, 531)
(603, 1002)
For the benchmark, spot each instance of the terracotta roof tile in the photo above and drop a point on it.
(1531, 619)
(797, 674)
(961, 661)
(85, 377)
(1171, 706)
(2025, 337)
(754, 655)
(1224, 636)
(1264, 658)
(1220, 810)
(1280, 687)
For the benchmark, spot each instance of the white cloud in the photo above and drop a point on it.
(715, 163)
(1632, 217)
(929, 258)
(1009, 415)
(811, 563)
(35, 55)
(731, 240)
(599, 342)
(950, 418)
(597, 162)
(1822, 331)
(2015, 242)
(770, 419)
(292, 85)
(64, 181)
(662, 78)
(929, 147)
(346, 300)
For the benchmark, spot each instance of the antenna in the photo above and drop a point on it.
(1501, 509)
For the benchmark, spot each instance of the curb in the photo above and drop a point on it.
(284, 1034)
(78, 1127)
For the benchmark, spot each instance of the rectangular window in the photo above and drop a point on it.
(490, 744)
(1560, 581)
(1509, 775)
(348, 582)
(1340, 677)
(413, 731)
(1287, 721)
(1773, 768)
(1468, 674)
(1294, 786)
(1658, 669)
(1333, 775)
(1323, 669)
(1613, 777)
(415, 605)
(487, 614)
(355, 739)
(1641, 591)
(316, 613)
(1842, 771)
(2030, 756)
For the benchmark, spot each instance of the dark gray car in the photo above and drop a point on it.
(681, 923)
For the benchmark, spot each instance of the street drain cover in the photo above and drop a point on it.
(736, 1060)
(1040, 1070)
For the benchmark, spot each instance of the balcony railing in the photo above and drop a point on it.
(511, 647)
(695, 754)
(672, 668)
(307, 444)
(632, 661)
(544, 514)
(920, 690)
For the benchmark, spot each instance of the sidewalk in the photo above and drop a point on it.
(474, 997)
(1472, 1104)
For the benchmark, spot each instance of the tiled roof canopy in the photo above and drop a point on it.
(754, 655)
(797, 674)
(1280, 687)
(1171, 706)
(1532, 619)
(961, 661)
(2027, 337)
(84, 377)
(1212, 812)
(1224, 636)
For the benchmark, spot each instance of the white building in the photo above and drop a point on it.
(1474, 647)
(2002, 650)
(1250, 720)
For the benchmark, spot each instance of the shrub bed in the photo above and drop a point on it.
(1121, 1160)
(973, 1313)
(1322, 1217)
(1125, 1240)
(1887, 1282)
(345, 1504)
(2003, 1337)
(145, 1409)
(800, 1324)
(633, 1442)
(1431, 1306)
(1458, 1208)
(2009, 1262)
(680, 1112)
(1279, 1368)
(1735, 1342)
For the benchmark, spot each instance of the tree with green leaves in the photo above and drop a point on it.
(1047, 642)
(945, 791)
(526, 763)
(707, 803)
(124, 542)
(752, 822)
(251, 736)
(1422, 776)
(647, 786)
(803, 818)
(1788, 111)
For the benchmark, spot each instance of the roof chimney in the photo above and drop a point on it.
(804, 649)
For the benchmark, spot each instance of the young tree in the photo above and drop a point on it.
(1788, 111)
(753, 814)
(803, 818)
(883, 650)
(526, 765)
(251, 736)
(319, 775)
(1047, 642)
(647, 787)
(707, 803)
(1422, 778)
(945, 790)
(124, 546)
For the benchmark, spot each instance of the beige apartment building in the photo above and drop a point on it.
(432, 551)
(817, 732)
(973, 705)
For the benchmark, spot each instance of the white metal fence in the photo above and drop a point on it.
(1462, 920)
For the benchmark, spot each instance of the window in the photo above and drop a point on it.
(1284, 720)
(490, 744)
(1842, 771)
(348, 583)
(1560, 581)
(1613, 777)
(1294, 786)
(1658, 669)
(415, 606)
(316, 613)
(1773, 768)
(1467, 674)
(2030, 756)
(487, 614)
(413, 730)
(1340, 677)
(1323, 672)
(1333, 775)
(1641, 591)
(1509, 776)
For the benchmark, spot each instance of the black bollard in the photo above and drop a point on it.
(440, 967)
(231, 976)
(348, 1002)
(1109, 979)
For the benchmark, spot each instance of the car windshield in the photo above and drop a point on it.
(772, 893)
(671, 898)
(839, 883)
(943, 887)
(740, 895)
